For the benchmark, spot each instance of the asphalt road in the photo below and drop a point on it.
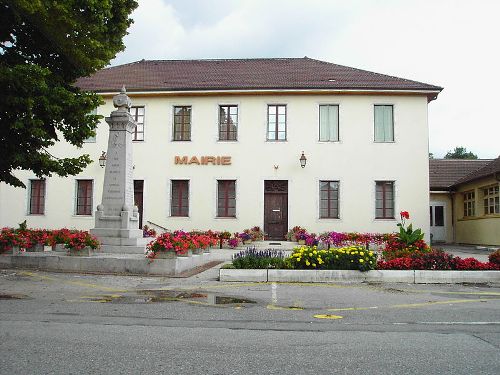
(54, 323)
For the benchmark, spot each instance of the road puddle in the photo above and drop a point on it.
(164, 296)
(13, 296)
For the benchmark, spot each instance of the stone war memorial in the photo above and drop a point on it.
(117, 218)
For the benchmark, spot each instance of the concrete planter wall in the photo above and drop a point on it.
(389, 276)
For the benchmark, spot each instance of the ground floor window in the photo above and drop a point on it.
(491, 200)
(37, 197)
(84, 197)
(384, 200)
(226, 198)
(329, 199)
(469, 203)
(179, 198)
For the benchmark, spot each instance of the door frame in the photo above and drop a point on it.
(433, 204)
(286, 205)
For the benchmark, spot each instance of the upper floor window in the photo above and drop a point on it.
(228, 122)
(329, 199)
(328, 123)
(276, 122)
(384, 123)
(384, 200)
(226, 198)
(182, 123)
(138, 115)
(469, 203)
(84, 197)
(92, 138)
(179, 198)
(491, 199)
(37, 197)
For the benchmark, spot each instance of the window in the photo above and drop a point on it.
(491, 200)
(384, 200)
(84, 197)
(384, 123)
(276, 122)
(179, 201)
(228, 122)
(182, 123)
(138, 115)
(469, 203)
(329, 199)
(226, 198)
(37, 197)
(92, 138)
(328, 123)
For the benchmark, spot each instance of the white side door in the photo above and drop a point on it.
(438, 221)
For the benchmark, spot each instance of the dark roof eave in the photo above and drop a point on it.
(423, 91)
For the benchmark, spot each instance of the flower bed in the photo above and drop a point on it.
(180, 242)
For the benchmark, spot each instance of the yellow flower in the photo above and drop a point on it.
(314, 264)
(307, 263)
(361, 253)
(315, 252)
(361, 261)
(370, 253)
(310, 254)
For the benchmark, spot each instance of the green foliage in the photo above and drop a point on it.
(460, 153)
(44, 47)
(259, 259)
(409, 236)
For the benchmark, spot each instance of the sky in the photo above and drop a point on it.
(449, 43)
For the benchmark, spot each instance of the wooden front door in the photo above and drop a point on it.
(276, 209)
(138, 198)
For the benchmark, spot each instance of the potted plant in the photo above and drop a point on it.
(12, 241)
(81, 243)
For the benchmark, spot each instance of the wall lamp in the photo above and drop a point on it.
(303, 160)
(102, 159)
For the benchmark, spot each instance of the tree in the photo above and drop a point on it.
(45, 46)
(460, 153)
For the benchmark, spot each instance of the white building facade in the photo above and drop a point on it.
(225, 155)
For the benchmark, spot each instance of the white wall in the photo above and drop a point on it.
(356, 161)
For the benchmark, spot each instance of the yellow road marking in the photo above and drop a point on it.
(78, 283)
(276, 307)
(412, 305)
(327, 316)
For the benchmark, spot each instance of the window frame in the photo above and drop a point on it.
(276, 124)
(330, 199)
(182, 132)
(338, 122)
(227, 199)
(384, 200)
(40, 197)
(136, 116)
(179, 198)
(227, 131)
(375, 140)
(469, 200)
(87, 197)
(491, 200)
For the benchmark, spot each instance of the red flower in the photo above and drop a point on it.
(405, 215)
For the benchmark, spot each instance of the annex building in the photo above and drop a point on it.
(231, 144)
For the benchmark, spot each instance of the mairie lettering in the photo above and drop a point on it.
(202, 160)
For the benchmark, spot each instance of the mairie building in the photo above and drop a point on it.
(236, 143)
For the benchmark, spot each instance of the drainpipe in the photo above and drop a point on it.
(453, 226)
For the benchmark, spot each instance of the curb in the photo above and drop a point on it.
(388, 276)
(134, 265)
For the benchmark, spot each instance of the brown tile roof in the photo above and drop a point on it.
(490, 169)
(444, 173)
(243, 74)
